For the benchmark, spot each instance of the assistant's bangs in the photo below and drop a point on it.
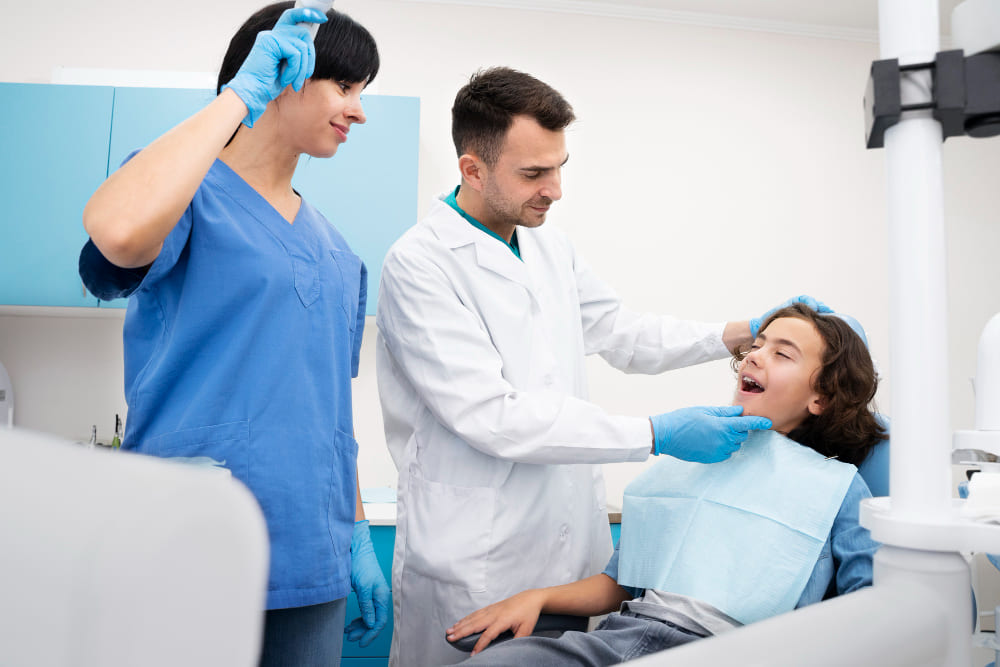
(345, 50)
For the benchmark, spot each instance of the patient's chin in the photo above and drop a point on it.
(749, 411)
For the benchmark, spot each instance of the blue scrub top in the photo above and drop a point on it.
(241, 340)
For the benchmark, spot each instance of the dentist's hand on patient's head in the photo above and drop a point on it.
(815, 304)
(370, 587)
(703, 434)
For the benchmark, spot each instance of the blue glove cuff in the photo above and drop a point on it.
(252, 114)
(361, 537)
(659, 437)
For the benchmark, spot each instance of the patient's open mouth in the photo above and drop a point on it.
(750, 385)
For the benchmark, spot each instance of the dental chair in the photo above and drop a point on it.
(874, 470)
(114, 559)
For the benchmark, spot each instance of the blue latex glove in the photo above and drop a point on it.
(369, 585)
(815, 304)
(703, 434)
(280, 57)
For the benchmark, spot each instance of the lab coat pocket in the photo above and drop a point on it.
(226, 443)
(306, 274)
(449, 532)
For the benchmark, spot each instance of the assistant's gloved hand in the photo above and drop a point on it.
(703, 434)
(369, 585)
(815, 304)
(281, 56)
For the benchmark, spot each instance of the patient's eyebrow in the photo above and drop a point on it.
(781, 341)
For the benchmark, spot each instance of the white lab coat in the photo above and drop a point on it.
(480, 363)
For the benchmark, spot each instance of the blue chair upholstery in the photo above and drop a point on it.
(875, 469)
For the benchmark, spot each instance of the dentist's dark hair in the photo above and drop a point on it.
(847, 428)
(345, 50)
(485, 108)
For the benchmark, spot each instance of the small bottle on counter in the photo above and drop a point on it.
(116, 442)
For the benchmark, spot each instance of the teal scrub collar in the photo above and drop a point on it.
(452, 200)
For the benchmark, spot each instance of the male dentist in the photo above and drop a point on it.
(484, 319)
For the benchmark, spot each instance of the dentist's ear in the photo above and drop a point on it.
(472, 170)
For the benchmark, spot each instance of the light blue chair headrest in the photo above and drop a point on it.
(854, 324)
(875, 469)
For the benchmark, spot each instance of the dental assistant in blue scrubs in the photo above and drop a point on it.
(246, 311)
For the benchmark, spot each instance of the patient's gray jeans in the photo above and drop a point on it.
(618, 638)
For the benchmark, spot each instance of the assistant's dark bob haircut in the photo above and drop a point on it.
(485, 108)
(345, 50)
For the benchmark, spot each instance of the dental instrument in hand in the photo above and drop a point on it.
(322, 6)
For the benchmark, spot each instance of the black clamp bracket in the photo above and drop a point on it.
(965, 95)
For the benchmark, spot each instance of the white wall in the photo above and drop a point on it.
(713, 173)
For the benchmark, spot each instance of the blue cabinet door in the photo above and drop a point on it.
(61, 142)
(368, 190)
(55, 154)
(143, 114)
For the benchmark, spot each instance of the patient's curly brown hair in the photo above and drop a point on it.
(847, 427)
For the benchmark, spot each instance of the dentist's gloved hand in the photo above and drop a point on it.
(815, 304)
(370, 587)
(704, 434)
(281, 56)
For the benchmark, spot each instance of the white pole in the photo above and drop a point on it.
(919, 472)
(920, 464)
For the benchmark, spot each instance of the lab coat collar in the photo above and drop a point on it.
(455, 232)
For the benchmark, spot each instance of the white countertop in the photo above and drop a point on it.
(380, 514)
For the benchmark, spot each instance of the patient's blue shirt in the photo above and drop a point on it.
(844, 565)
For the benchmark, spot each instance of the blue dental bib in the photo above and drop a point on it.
(742, 535)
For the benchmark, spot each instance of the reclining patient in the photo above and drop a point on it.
(706, 548)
